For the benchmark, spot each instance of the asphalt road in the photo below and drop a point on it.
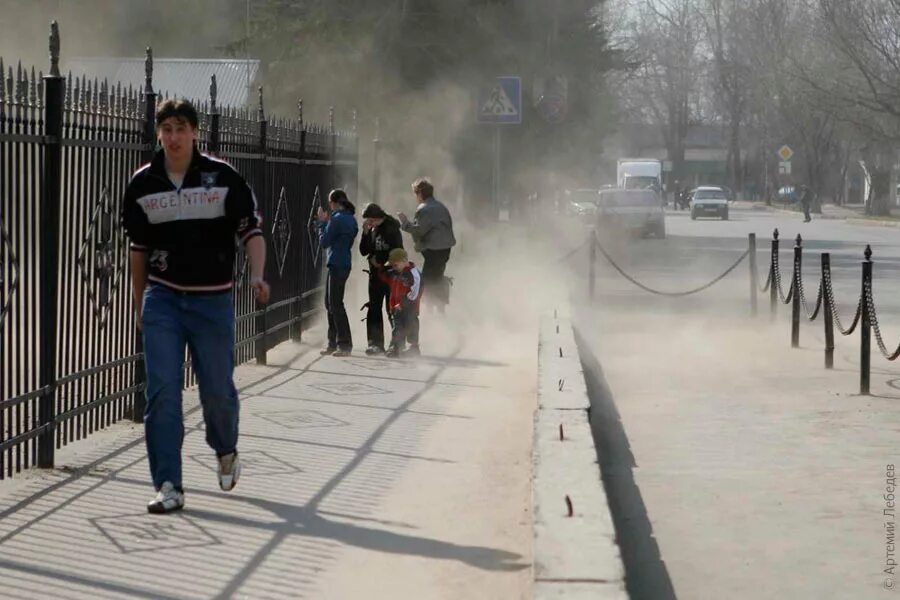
(738, 467)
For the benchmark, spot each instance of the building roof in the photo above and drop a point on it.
(182, 77)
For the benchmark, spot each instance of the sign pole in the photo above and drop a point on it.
(497, 154)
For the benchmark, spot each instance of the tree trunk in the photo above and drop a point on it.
(880, 193)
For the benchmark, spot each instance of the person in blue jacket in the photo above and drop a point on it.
(337, 231)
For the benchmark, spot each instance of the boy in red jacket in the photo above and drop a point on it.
(405, 282)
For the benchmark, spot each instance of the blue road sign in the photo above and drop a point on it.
(502, 102)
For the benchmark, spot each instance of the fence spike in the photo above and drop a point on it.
(54, 49)
(331, 119)
(299, 109)
(262, 113)
(68, 98)
(148, 70)
(40, 88)
(799, 240)
(213, 92)
(19, 94)
(32, 88)
(868, 252)
(775, 234)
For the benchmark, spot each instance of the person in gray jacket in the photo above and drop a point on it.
(432, 232)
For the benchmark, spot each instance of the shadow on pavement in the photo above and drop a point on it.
(646, 576)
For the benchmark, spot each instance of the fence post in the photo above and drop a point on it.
(376, 167)
(592, 266)
(139, 402)
(773, 285)
(865, 336)
(829, 317)
(260, 180)
(795, 297)
(334, 164)
(212, 145)
(754, 276)
(50, 199)
(297, 331)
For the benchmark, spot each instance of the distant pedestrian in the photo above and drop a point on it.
(381, 234)
(432, 232)
(182, 213)
(337, 230)
(405, 283)
(806, 202)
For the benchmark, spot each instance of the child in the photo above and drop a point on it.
(405, 282)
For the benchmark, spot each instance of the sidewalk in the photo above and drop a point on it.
(363, 478)
(854, 213)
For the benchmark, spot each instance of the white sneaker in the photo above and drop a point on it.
(167, 500)
(229, 471)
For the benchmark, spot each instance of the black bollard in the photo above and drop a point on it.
(754, 276)
(865, 336)
(795, 297)
(829, 317)
(773, 285)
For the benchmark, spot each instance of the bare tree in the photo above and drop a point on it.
(662, 41)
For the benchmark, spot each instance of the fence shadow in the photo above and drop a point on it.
(646, 575)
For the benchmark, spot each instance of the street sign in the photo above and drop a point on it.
(502, 103)
(785, 152)
(784, 167)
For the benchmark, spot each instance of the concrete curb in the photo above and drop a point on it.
(575, 555)
(853, 219)
(873, 222)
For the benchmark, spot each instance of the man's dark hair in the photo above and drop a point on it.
(181, 110)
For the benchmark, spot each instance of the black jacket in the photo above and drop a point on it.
(190, 233)
(378, 242)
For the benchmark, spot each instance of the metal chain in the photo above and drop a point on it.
(873, 320)
(574, 251)
(765, 288)
(799, 283)
(670, 294)
(785, 299)
(834, 314)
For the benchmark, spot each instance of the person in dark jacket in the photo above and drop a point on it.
(432, 232)
(806, 202)
(337, 231)
(182, 213)
(381, 234)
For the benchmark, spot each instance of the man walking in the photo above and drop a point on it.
(182, 213)
(381, 234)
(805, 202)
(432, 233)
(337, 230)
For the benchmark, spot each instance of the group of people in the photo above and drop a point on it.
(396, 285)
(182, 213)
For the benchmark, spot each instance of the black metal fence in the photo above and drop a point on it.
(70, 360)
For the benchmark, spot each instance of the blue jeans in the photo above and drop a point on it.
(205, 324)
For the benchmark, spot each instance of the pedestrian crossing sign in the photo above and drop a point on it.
(501, 102)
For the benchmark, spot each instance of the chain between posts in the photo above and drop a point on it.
(646, 288)
(873, 320)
